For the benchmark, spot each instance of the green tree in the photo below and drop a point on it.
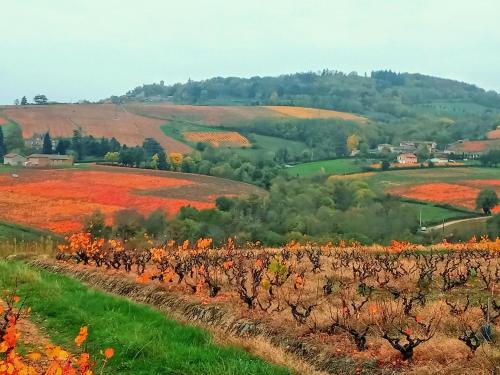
(47, 144)
(386, 164)
(3, 149)
(486, 200)
(40, 99)
(14, 139)
(77, 144)
(112, 157)
(62, 146)
(154, 161)
(163, 163)
(151, 147)
(24, 101)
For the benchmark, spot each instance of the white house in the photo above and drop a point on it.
(407, 158)
(14, 159)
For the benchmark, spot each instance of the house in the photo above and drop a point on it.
(385, 147)
(14, 159)
(407, 158)
(46, 160)
(414, 145)
(36, 141)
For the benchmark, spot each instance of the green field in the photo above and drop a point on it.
(389, 179)
(328, 167)
(145, 341)
(265, 147)
(432, 215)
(10, 232)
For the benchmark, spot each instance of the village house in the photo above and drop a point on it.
(45, 160)
(14, 159)
(407, 158)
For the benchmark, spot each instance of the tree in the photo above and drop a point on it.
(47, 144)
(163, 163)
(352, 142)
(151, 147)
(40, 99)
(112, 157)
(386, 164)
(24, 101)
(16, 102)
(3, 149)
(77, 144)
(95, 224)
(154, 161)
(175, 159)
(62, 146)
(423, 153)
(14, 139)
(486, 200)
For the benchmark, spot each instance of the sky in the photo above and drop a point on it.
(71, 50)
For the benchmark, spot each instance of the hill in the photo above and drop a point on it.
(406, 105)
(104, 120)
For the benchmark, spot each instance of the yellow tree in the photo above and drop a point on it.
(353, 142)
(175, 160)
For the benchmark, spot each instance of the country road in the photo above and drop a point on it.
(446, 224)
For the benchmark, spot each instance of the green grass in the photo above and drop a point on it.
(432, 215)
(266, 147)
(337, 166)
(11, 231)
(145, 341)
(389, 179)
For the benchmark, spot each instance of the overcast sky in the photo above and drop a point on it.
(91, 49)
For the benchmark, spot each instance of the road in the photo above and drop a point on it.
(446, 224)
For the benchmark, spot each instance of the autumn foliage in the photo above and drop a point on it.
(56, 360)
(369, 295)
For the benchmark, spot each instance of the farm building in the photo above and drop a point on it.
(45, 160)
(408, 158)
(14, 159)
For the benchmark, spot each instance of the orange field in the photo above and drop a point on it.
(218, 139)
(202, 114)
(313, 113)
(461, 194)
(57, 200)
(216, 115)
(98, 120)
(2, 121)
(475, 146)
(494, 134)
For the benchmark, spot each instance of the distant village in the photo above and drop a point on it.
(407, 152)
(36, 159)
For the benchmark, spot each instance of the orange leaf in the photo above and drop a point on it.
(109, 353)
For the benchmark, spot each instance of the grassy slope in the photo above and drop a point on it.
(145, 341)
(267, 146)
(421, 176)
(11, 231)
(432, 215)
(337, 166)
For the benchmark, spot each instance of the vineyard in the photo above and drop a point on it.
(218, 139)
(494, 134)
(217, 115)
(61, 198)
(460, 194)
(104, 120)
(315, 113)
(373, 309)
